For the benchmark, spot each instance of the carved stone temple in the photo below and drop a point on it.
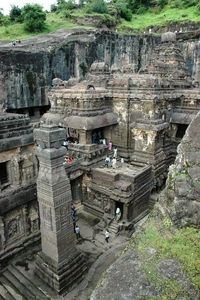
(59, 264)
(139, 93)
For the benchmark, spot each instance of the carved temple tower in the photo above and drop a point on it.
(59, 264)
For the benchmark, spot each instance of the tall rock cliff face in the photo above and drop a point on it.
(183, 185)
(27, 70)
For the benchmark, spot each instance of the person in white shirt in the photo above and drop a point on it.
(77, 231)
(118, 214)
(107, 161)
(115, 152)
(107, 235)
(114, 163)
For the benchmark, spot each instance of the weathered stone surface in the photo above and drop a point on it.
(59, 264)
(126, 279)
(183, 184)
(19, 219)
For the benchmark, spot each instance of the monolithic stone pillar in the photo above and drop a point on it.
(59, 264)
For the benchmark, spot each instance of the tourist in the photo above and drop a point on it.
(65, 144)
(73, 209)
(118, 214)
(114, 163)
(70, 160)
(107, 235)
(115, 152)
(77, 231)
(73, 216)
(122, 160)
(107, 161)
(110, 146)
(104, 141)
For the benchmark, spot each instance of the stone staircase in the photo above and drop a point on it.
(5, 293)
(15, 285)
(113, 227)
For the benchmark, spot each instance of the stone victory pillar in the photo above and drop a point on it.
(59, 264)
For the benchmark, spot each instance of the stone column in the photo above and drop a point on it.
(59, 264)
(85, 137)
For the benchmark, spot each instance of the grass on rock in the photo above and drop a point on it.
(169, 242)
(161, 18)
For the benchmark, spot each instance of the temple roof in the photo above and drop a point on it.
(15, 131)
(92, 122)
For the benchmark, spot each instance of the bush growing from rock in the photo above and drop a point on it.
(34, 17)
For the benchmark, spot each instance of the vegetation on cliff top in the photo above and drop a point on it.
(160, 241)
(134, 15)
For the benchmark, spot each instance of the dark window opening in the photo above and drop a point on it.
(97, 136)
(73, 136)
(3, 174)
(181, 129)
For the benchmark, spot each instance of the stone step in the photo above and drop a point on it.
(114, 227)
(113, 231)
(18, 286)
(11, 293)
(26, 281)
(4, 294)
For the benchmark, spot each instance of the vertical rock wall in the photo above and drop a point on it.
(26, 73)
(183, 184)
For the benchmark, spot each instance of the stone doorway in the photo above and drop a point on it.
(119, 205)
(97, 136)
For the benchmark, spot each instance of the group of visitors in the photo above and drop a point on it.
(77, 228)
(14, 43)
(69, 160)
(70, 140)
(111, 161)
(74, 220)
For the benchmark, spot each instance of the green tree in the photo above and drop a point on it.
(63, 5)
(34, 17)
(97, 6)
(15, 14)
(134, 5)
(123, 10)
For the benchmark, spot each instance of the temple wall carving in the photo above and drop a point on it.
(17, 227)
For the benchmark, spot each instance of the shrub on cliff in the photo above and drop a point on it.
(34, 18)
(63, 5)
(96, 6)
(134, 5)
(108, 21)
(15, 14)
(123, 10)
